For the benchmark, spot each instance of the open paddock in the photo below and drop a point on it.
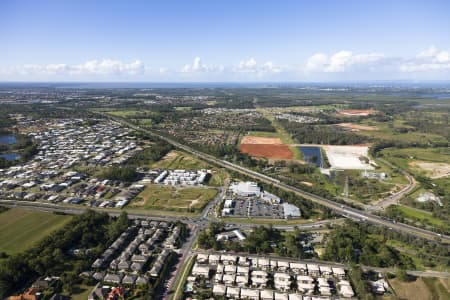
(174, 198)
(21, 229)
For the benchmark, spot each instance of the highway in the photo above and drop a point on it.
(338, 208)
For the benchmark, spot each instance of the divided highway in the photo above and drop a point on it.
(338, 208)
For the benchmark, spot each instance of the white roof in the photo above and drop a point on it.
(305, 278)
(295, 265)
(219, 289)
(281, 296)
(295, 297)
(325, 269)
(202, 256)
(267, 294)
(259, 273)
(282, 276)
(249, 293)
(230, 269)
(338, 271)
(245, 188)
(282, 264)
(233, 290)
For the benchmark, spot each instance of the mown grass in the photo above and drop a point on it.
(21, 229)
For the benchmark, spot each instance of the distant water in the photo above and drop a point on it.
(312, 155)
(10, 156)
(7, 139)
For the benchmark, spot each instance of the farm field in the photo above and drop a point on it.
(185, 199)
(21, 229)
(270, 151)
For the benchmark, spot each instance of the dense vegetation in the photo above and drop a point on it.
(51, 256)
(321, 134)
(352, 243)
(150, 154)
(126, 173)
(262, 240)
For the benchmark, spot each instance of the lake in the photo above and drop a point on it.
(10, 156)
(7, 139)
(311, 152)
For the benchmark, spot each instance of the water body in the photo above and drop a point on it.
(10, 156)
(312, 155)
(7, 139)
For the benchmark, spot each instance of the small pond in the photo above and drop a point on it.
(312, 155)
(10, 156)
(7, 139)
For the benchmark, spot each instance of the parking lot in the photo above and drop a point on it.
(256, 208)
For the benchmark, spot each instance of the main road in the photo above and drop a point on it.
(338, 208)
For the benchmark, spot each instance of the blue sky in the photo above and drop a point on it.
(87, 40)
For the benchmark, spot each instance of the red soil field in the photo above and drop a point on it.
(267, 151)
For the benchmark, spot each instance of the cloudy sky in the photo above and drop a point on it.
(219, 41)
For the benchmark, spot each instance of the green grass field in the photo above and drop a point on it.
(187, 199)
(422, 216)
(21, 229)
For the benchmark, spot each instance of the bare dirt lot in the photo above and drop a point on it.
(357, 112)
(272, 151)
(261, 140)
(347, 157)
(356, 127)
(433, 169)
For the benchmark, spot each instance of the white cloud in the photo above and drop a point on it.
(340, 61)
(93, 67)
(251, 66)
(429, 60)
(198, 66)
(317, 62)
